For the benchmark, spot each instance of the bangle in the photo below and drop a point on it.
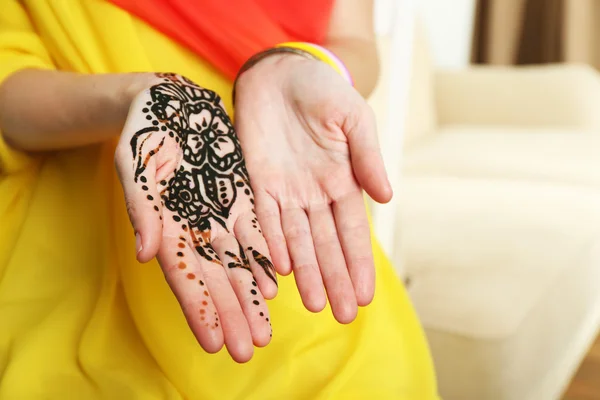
(304, 49)
(322, 54)
(252, 61)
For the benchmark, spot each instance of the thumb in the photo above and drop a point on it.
(365, 155)
(142, 198)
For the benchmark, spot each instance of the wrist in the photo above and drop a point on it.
(322, 54)
(300, 50)
(121, 92)
(131, 86)
(267, 65)
(271, 63)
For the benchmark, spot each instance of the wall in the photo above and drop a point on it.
(384, 16)
(449, 25)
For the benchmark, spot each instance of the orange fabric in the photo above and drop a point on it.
(228, 32)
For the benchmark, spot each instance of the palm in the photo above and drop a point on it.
(308, 198)
(180, 157)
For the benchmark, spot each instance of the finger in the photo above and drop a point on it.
(267, 211)
(245, 287)
(332, 264)
(184, 275)
(248, 232)
(365, 155)
(136, 167)
(236, 332)
(353, 230)
(306, 270)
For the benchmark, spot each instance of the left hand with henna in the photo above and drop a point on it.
(186, 187)
(311, 148)
(191, 204)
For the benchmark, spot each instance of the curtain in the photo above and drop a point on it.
(537, 31)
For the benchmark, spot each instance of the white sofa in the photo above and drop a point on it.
(498, 222)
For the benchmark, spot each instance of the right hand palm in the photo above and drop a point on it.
(189, 199)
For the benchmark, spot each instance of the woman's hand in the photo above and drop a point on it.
(311, 148)
(190, 202)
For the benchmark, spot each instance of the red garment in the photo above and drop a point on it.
(228, 32)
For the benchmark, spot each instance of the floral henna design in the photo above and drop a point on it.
(211, 175)
(202, 189)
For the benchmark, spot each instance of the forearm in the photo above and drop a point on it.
(50, 110)
(360, 57)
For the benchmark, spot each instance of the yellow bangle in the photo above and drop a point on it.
(322, 54)
(308, 50)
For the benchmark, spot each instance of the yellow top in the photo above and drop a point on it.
(81, 319)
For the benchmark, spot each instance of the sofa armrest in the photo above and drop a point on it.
(537, 96)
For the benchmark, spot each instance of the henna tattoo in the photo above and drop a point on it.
(239, 262)
(203, 188)
(208, 180)
(265, 264)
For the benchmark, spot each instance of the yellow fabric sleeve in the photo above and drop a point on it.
(20, 48)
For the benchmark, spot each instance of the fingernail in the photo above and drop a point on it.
(138, 242)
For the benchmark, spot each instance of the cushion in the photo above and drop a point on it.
(546, 155)
(502, 274)
(554, 95)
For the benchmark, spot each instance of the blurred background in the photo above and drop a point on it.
(489, 117)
